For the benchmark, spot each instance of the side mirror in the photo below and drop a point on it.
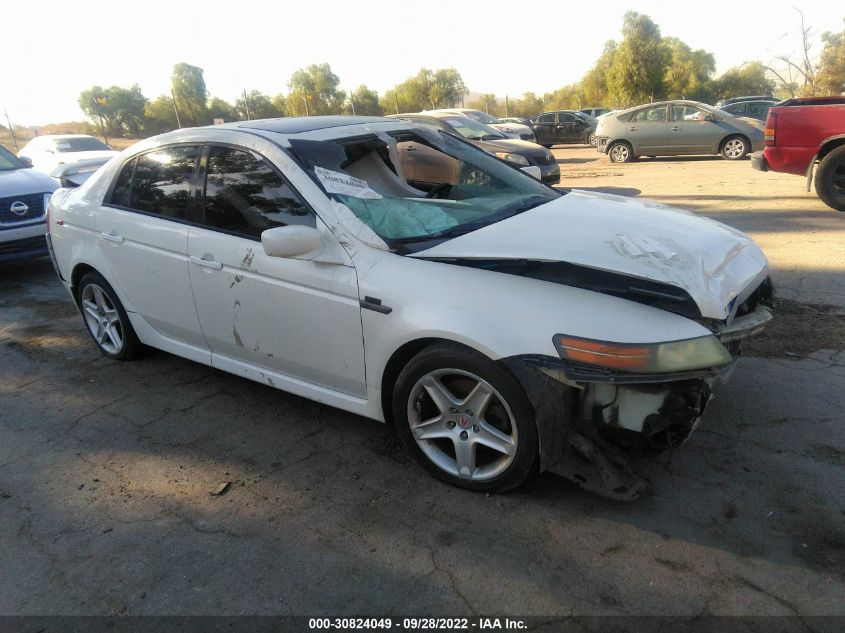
(294, 241)
(26, 160)
(709, 117)
(533, 170)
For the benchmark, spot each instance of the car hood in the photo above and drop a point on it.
(21, 182)
(513, 145)
(712, 262)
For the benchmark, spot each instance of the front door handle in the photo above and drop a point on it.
(633, 128)
(111, 237)
(676, 129)
(206, 263)
(410, 148)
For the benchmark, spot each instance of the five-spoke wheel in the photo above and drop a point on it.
(465, 418)
(105, 318)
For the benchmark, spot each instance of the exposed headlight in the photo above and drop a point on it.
(694, 353)
(516, 159)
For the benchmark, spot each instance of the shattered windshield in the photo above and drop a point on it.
(418, 187)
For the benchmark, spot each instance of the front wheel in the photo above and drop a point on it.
(592, 140)
(466, 419)
(620, 152)
(830, 179)
(734, 148)
(106, 319)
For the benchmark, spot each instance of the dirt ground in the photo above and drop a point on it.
(107, 470)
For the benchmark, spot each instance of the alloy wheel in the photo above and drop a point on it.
(102, 319)
(735, 148)
(462, 424)
(619, 153)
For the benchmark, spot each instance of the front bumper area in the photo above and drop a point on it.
(24, 242)
(758, 161)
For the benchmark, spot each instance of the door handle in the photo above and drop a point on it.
(206, 263)
(633, 128)
(410, 148)
(111, 237)
(676, 129)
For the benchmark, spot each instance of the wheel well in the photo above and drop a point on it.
(735, 135)
(79, 271)
(397, 363)
(828, 147)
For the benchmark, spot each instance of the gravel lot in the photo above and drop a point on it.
(106, 469)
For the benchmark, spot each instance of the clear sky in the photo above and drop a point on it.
(55, 49)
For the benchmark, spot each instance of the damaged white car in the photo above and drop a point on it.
(501, 325)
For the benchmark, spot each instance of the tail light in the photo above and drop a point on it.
(771, 126)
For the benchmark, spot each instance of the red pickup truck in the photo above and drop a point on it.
(801, 133)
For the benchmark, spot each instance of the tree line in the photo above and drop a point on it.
(643, 66)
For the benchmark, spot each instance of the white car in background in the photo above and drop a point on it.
(511, 130)
(24, 193)
(501, 325)
(49, 151)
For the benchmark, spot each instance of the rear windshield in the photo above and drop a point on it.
(82, 144)
(415, 188)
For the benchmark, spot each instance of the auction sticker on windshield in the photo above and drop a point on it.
(336, 182)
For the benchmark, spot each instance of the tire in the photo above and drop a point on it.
(620, 152)
(546, 145)
(735, 148)
(591, 140)
(105, 319)
(830, 179)
(466, 419)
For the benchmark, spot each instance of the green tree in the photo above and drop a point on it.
(639, 63)
(281, 104)
(258, 105)
(317, 86)
(831, 75)
(594, 83)
(365, 101)
(687, 71)
(486, 103)
(121, 109)
(447, 87)
(159, 116)
(748, 79)
(190, 93)
(221, 109)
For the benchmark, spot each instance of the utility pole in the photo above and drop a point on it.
(396, 102)
(246, 106)
(176, 109)
(11, 129)
(506, 106)
(305, 101)
(352, 103)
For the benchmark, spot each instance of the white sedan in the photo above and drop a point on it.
(501, 325)
(49, 151)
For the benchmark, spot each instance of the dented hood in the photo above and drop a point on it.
(711, 261)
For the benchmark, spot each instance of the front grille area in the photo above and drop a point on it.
(25, 245)
(34, 203)
(544, 160)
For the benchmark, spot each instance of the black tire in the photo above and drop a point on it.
(735, 148)
(830, 179)
(623, 153)
(546, 145)
(591, 139)
(508, 409)
(95, 314)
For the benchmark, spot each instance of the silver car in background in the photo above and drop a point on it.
(674, 128)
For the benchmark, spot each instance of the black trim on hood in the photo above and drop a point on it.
(652, 293)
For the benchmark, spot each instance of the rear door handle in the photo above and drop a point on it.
(676, 129)
(111, 237)
(633, 128)
(410, 148)
(206, 263)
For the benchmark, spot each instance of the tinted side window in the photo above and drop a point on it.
(657, 113)
(121, 194)
(245, 195)
(546, 118)
(162, 181)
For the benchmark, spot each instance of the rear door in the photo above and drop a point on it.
(567, 129)
(544, 128)
(293, 317)
(144, 238)
(648, 131)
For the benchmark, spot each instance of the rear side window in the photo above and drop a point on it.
(546, 118)
(157, 182)
(243, 194)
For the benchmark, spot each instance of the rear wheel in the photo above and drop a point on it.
(592, 139)
(546, 145)
(465, 419)
(620, 152)
(830, 179)
(106, 319)
(734, 148)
